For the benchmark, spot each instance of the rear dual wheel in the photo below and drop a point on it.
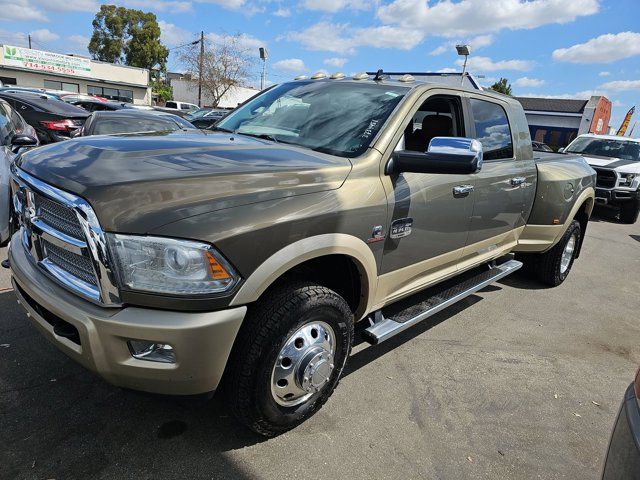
(288, 357)
(553, 266)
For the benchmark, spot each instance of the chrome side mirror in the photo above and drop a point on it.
(458, 149)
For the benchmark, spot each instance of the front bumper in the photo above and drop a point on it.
(615, 197)
(201, 341)
(623, 456)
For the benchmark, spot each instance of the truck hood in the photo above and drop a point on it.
(617, 164)
(136, 183)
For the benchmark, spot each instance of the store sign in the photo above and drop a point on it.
(46, 61)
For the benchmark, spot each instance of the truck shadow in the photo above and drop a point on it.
(59, 420)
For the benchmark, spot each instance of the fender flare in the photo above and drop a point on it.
(306, 249)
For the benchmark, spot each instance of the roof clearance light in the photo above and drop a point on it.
(361, 76)
(301, 77)
(318, 75)
(407, 78)
(337, 76)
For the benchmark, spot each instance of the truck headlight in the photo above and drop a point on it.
(168, 265)
(626, 179)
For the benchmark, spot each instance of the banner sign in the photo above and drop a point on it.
(625, 122)
(46, 61)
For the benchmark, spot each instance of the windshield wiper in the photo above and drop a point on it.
(220, 129)
(264, 136)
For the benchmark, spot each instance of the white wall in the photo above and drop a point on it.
(187, 91)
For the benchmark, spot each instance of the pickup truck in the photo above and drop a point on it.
(178, 108)
(616, 161)
(248, 256)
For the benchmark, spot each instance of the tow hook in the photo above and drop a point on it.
(5, 263)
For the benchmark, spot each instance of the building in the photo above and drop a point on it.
(25, 67)
(185, 89)
(557, 122)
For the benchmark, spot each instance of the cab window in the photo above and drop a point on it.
(439, 116)
(492, 129)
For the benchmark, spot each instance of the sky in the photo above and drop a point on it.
(546, 48)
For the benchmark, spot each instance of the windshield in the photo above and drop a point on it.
(604, 147)
(340, 118)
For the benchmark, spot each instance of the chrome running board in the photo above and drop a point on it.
(408, 312)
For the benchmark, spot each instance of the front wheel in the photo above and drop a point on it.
(553, 267)
(289, 356)
(629, 212)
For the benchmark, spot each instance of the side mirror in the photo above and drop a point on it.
(21, 140)
(452, 155)
(76, 133)
(561, 150)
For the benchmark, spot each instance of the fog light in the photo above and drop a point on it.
(151, 351)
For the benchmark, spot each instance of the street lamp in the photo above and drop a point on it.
(264, 54)
(463, 50)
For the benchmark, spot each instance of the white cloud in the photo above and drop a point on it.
(282, 12)
(486, 64)
(228, 4)
(172, 35)
(335, 62)
(604, 74)
(21, 10)
(245, 41)
(44, 35)
(476, 43)
(448, 70)
(79, 40)
(528, 82)
(172, 6)
(603, 49)
(294, 65)
(469, 17)
(342, 38)
(621, 85)
(333, 6)
(13, 38)
(73, 6)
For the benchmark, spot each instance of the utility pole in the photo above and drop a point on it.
(200, 69)
(263, 56)
(29, 41)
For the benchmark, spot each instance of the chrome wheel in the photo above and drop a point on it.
(567, 254)
(304, 365)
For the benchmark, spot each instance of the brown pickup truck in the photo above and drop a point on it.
(173, 262)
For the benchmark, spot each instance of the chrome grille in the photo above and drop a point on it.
(52, 228)
(77, 265)
(58, 216)
(606, 178)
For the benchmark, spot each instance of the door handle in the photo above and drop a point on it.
(517, 181)
(462, 190)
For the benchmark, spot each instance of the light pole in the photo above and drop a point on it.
(200, 61)
(463, 50)
(264, 54)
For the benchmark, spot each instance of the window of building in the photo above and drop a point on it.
(67, 87)
(117, 94)
(492, 129)
(8, 81)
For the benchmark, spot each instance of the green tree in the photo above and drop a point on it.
(502, 86)
(125, 35)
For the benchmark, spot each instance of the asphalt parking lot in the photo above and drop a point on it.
(517, 381)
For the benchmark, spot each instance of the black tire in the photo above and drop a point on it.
(268, 325)
(629, 212)
(547, 265)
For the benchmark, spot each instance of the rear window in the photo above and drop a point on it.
(55, 106)
(492, 129)
(171, 105)
(112, 125)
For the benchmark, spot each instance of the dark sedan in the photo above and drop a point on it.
(132, 121)
(205, 117)
(53, 120)
(98, 106)
(623, 457)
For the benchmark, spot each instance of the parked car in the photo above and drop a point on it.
(205, 117)
(178, 108)
(617, 162)
(623, 455)
(254, 249)
(15, 135)
(53, 120)
(77, 97)
(39, 91)
(541, 147)
(98, 106)
(131, 121)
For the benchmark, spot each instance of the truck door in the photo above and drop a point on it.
(427, 222)
(499, 187)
